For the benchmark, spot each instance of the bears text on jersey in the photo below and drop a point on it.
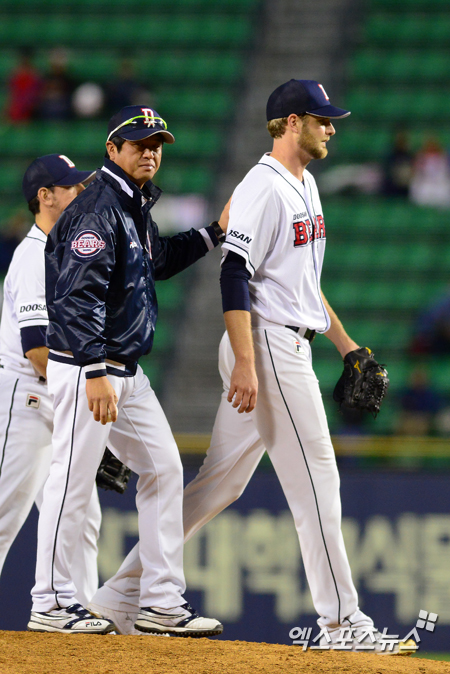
(304, 232)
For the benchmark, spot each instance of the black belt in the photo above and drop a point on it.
(309, 334)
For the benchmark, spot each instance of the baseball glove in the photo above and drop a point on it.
(112, 474)
(364, 382)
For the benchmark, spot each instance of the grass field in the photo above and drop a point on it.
(432, 656)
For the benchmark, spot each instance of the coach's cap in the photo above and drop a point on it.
(299, 97)
(50, 170)
(136, 123)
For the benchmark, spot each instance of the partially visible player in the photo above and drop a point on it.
(26, 413)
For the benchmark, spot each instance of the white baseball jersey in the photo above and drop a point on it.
(24, 300)
(276, 225)
(26, 414)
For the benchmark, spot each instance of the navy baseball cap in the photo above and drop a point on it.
(136, 123)
(299, 97)
(50, 170)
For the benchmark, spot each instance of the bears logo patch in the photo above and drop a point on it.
(87, 244)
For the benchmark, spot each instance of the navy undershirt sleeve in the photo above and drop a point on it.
(234, 279)
(32, 337)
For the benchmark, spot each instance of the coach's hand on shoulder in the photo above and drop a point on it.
(243, 391)
(102, 399)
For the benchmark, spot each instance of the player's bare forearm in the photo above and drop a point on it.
(243, 391)
(343, 343)
(225, 216)
(38, 357)
(102, 399)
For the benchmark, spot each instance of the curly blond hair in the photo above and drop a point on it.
(277, 127)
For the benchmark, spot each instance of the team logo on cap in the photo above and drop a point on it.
(88, 244)
(149, 116)
(68, 161)
(323, 90)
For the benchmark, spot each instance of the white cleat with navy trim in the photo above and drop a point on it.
(181, 621)
(71, 620)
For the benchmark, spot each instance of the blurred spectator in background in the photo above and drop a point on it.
(430, 184)
(11, 234)
(88, 100)
(419, 405)
(126, 89)
(24, 88)
(432, 329)
(58, 87)
(398, 168)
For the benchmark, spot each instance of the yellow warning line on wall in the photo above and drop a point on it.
(375, 445)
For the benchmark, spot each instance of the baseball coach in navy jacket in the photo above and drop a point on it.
(103, 257)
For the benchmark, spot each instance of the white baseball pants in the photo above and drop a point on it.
(25, 455)
(140, 438)
(289, 421)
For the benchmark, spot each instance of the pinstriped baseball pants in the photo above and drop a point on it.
(289, 421)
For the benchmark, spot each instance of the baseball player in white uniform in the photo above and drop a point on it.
(26, 413)
(273, 306)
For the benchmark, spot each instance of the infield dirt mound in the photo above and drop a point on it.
(26, 653)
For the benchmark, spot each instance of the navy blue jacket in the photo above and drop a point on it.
(102, 259)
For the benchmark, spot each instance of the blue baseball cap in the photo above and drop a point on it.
(135, 122)
(50, 170)
(299, 97)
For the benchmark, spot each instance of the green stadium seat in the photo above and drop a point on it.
(368, 65)
(113, 31)
(351, 255)
(358, 143)
(153, 368)
(433, 65)
(11, 177)
(399, 372)
(195, 104)
(114, 6)
(440, 374)
(404, 296)
(194, 142)
(164, 337)
(94, 67)
(8, 62)
(178, 179)
(327, 372)
(411, 29)
(169, 294)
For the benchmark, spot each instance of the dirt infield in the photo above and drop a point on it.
(26, 653)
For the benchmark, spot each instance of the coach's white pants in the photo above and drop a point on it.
(141, 439)
(289, 421)
(25, 455)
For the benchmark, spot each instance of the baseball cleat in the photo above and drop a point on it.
(71, 620)
(181, 621)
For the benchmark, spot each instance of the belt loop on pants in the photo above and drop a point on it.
(303, 332)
